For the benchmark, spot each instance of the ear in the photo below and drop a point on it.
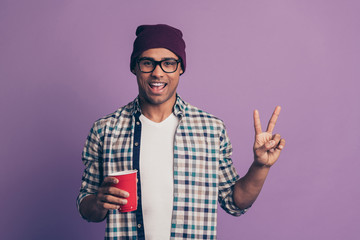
(132, 67)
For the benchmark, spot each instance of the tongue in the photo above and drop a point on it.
(157, 87)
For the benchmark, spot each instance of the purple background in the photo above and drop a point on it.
(64, 64)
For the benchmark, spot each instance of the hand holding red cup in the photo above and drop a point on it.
(127, 181)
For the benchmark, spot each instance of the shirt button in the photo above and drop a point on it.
(139, 225)
(136, 144)
(137, 123)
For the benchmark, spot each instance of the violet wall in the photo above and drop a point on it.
(64, 64)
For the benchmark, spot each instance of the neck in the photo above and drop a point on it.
(157, 112)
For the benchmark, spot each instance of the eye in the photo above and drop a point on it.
(147, 63)
(169, 63)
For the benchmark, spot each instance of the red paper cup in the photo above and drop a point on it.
(127, 182)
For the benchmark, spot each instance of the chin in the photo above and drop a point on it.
(154, 100)
(157, 101)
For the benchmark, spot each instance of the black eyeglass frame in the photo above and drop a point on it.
(158, 63)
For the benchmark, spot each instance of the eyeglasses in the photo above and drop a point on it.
(148, 65)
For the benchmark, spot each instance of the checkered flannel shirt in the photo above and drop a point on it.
(203, 170)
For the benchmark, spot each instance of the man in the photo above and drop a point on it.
(183, 154)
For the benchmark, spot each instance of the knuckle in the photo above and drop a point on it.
(107, 198)
(102, 190)
(101, 204)
(99, 193)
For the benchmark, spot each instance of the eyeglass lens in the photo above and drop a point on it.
(149, 65)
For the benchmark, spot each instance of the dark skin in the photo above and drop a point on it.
(157, 105)
(95, 207)
(267, 149)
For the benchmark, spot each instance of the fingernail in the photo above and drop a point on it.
(116, 181)
(272, 142)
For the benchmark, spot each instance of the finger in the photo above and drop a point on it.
(111, 203)
(115, 192)
(274, 143)
(119, 193)
(273, 119)
(110, 206)
(109, 181)
(257, 123)
(113, 200)
(105, 198)
(276, 138)
(281, 145)
(264, 148)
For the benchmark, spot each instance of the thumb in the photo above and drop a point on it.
(264, 148)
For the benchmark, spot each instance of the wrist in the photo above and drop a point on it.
(257, 164)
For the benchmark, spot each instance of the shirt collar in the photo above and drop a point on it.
(179, 107)
(178, 110)
(136, 106)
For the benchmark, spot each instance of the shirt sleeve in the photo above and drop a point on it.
(227, 177)
(92, 158)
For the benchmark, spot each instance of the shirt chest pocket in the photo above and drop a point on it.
(197, 158)
(200, 147)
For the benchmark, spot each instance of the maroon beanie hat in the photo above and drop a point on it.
(158, 36)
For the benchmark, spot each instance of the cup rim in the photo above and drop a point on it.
(120, 173)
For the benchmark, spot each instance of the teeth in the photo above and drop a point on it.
(157, 84)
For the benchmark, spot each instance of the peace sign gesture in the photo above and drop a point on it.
(267, 147)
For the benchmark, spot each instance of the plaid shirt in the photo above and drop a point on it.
(203, 170)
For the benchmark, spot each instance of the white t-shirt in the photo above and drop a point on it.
(156, 173)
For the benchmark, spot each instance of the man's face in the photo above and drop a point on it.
(157, 87)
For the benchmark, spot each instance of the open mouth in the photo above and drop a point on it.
(157, 85)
